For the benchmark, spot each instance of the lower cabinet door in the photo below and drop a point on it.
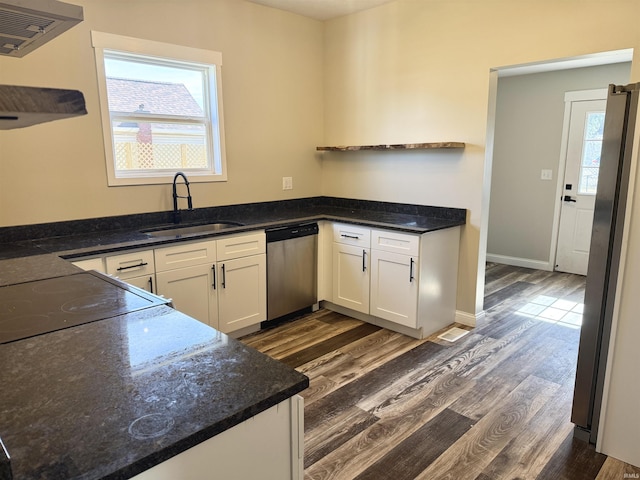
(192, 291)
(145, 282)
(242, 292)
(394, 287)
(351, 277)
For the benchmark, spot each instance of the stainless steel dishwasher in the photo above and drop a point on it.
(292, 279)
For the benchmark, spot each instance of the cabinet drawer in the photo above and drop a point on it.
(241, 245)
(131, 264)
(185, 255)
(96, 263)
(352, 235)
(396, 242)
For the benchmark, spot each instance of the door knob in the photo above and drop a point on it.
(568, 198)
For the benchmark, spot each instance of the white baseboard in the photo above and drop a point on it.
(520, 262)
(469, 319)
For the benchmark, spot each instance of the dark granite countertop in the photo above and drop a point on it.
(34, 267)
(73, 401)
(112, 398)
(111, 234)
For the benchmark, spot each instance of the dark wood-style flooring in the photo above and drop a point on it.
(493, 405)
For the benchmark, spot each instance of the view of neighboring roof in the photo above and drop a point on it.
(126, 95)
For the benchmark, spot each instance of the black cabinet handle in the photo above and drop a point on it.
(151, 284)
(213, 268)
(224, 277)
(141, 264)
(344, 235)
(364, 260)
(411, 270)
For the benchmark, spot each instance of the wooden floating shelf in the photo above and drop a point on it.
(399, 146)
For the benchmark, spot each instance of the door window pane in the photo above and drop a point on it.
(591, 149)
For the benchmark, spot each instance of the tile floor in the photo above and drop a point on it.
(554, 310)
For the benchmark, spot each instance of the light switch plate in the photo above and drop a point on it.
(546, 174)
(287, 183)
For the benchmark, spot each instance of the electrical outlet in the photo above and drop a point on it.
(287, 183)
(546, 175)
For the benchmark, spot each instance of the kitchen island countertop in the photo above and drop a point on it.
(112, 398)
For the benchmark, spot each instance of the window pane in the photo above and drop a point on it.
(135, 86)
(588, 181)
(591, 153)
(145, 96)
(159, 146)
(595, 126)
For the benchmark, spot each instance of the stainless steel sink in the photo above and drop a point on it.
(185, 230)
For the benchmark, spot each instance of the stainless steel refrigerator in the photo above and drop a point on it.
(604, 257)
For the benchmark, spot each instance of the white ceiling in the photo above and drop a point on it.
(322, 9)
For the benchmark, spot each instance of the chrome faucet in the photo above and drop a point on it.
(176, 212)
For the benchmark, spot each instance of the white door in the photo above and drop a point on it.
(584, 143)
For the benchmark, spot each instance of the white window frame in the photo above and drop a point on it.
(163, 51)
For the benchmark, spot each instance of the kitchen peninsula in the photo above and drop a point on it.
(117, 397)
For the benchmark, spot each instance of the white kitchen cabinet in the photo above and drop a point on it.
(241, 245)
(394, 288)
(96, 263)
(395, 277)
(355, 235)
(220, 282)
(268, 446)
(136, 268)
(325, 259)
(438, 279)
(192, 291)
(186, 275)
(242, 294)
(242, 291)
(185, 254)
(351, 259)
(402, 281)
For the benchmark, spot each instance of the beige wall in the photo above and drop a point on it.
(272, 94)
(419, 70)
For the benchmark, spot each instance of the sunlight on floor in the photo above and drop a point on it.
(554, 310)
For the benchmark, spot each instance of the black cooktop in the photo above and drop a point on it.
(33, 308)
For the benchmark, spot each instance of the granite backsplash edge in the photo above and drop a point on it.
(316, 205)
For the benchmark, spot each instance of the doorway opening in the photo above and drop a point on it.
(565, 185)
(524, 152)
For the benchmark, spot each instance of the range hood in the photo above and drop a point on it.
(24, 26)
(25, 106)
(27, 24)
